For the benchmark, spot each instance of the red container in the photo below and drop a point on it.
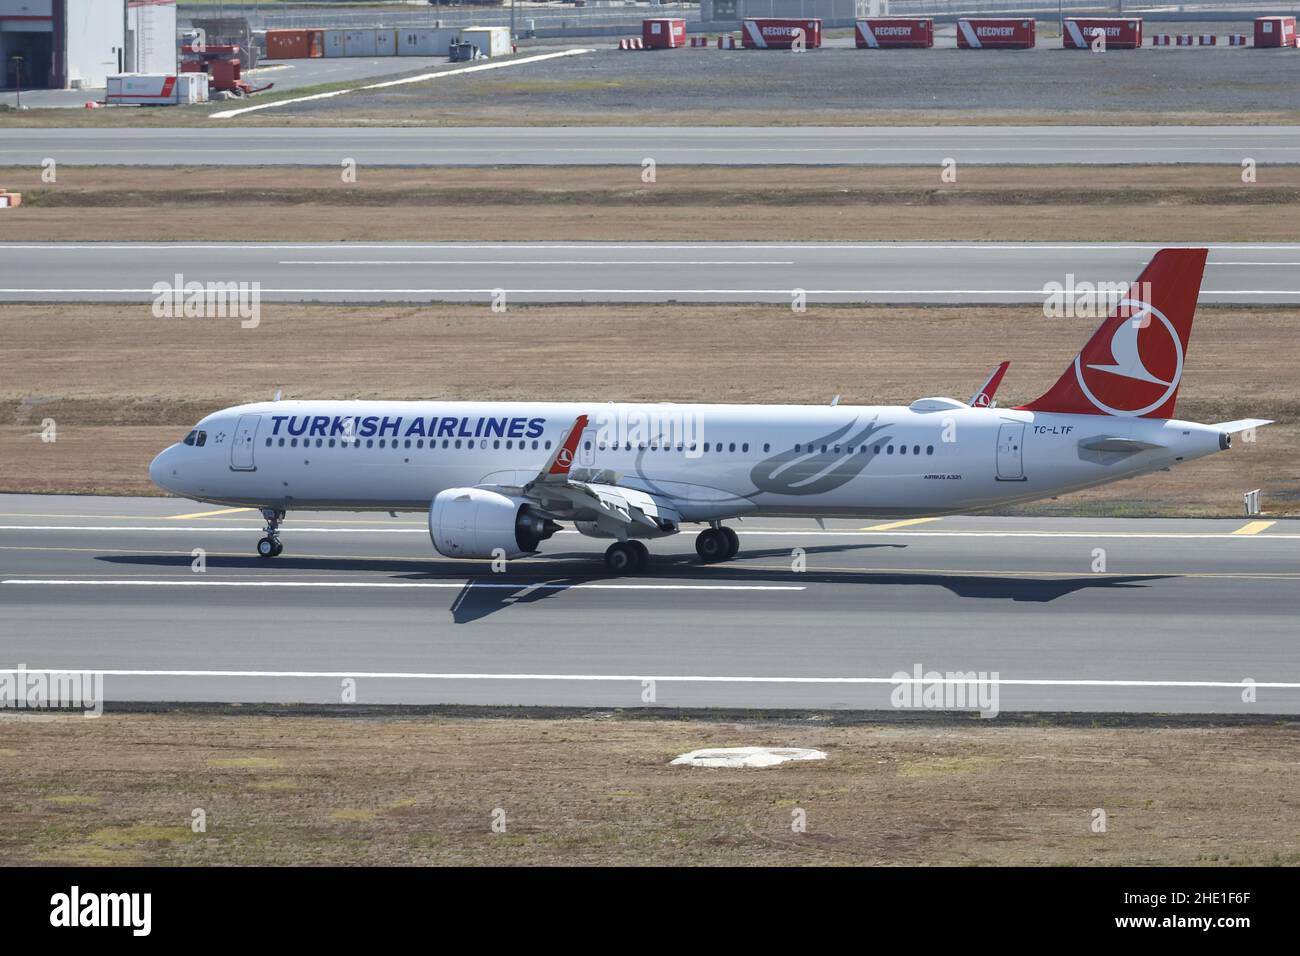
(1275, 31)
(773, 34)
(998, 34)
(294, 44)
(663, 33)
(1120, 34)
(884, 33)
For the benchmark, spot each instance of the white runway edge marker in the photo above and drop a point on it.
(227, 114)
(637, 678)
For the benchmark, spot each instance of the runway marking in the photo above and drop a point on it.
(227, 114)
(898, 524)
(208, 514)
(1254, 527)
(549, 586)
(1022, 247)
(617, 292)
(536, 262)
(291, 530)
(670, 678)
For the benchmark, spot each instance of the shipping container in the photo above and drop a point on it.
(385, 43)
(359, 43)
(425, 42)
(333, 42)
(779, 34)
(1119, 34)
(995, 34)
(294, 44)
(663, 33)
(885, 33)
(490, 41)
(1274, 31)
(156, 89)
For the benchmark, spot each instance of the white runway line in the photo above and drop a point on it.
(671, 678)
(1020, 247)
(458, 585)
(437, 75)
(814, 533)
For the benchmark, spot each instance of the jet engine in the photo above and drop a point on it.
(476, 522)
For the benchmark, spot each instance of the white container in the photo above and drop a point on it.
(425, 42)
(385, 43)
(142, 89)
(359, 43)
(192, 88)
(490, 41)
(334, 42)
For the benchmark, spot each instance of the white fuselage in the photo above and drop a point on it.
(714, 461)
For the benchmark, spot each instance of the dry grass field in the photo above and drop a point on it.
(1141, 204)
(282, 790)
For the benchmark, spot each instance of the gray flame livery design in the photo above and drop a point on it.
(814, 472)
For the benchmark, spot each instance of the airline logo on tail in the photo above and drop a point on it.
(1133, 364)
(1139, 370)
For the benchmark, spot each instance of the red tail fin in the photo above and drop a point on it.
(1132, 365)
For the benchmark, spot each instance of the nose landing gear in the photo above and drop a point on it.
(270, 546)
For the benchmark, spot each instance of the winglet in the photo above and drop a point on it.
(562, 460)
(984, 397)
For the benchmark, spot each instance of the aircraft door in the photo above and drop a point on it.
(1011, 440)
(241, 449)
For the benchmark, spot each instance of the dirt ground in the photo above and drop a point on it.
(122, 789)
(1077, 203)
(121, 385)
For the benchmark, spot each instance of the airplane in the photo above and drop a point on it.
(496, 478)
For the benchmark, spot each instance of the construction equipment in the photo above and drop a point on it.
(222, 63)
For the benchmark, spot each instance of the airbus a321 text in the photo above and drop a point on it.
(497, 477)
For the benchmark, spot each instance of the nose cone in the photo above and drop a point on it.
(161, 470)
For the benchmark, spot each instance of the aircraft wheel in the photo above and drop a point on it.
(733, 542)
(268, 548)
(711, 545)
(625, 557)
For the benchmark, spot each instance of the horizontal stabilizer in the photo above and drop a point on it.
(1241, 425)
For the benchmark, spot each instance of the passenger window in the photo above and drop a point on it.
(457, 442)
(706, 446)
(281, 442)
(293, 443)
(876, 450)
(535, 444)
(731, 447)
(916, 449)
(796, 448)
(902, 449)
(496, 443)
(586, 446)
(767, 446)
(929, 449)
(408, 443)
(331, 442)
(268, 443)
(889, 450)
(370, 443)
(548, 444)
(381, 442)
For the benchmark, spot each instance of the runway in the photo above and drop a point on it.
(1183, 616)
(939, 272)
(674, 145)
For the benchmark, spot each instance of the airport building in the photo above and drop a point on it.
(77, 44)
(831, 12)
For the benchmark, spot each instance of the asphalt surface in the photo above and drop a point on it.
(1197, 607)
(731, 146)
(623, 272)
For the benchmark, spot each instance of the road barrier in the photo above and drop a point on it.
(886, 33)
(995, 34)
(1118, 34)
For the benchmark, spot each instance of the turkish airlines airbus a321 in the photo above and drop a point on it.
(496, 477)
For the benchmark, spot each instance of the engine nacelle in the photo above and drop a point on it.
(475, 522)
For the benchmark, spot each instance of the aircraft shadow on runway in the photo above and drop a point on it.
(562, 571)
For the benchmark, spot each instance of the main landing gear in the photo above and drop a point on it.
(270, 546)
(627, 557)
(718, 543)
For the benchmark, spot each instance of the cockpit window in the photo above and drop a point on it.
(189, 439)
(201, 440)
